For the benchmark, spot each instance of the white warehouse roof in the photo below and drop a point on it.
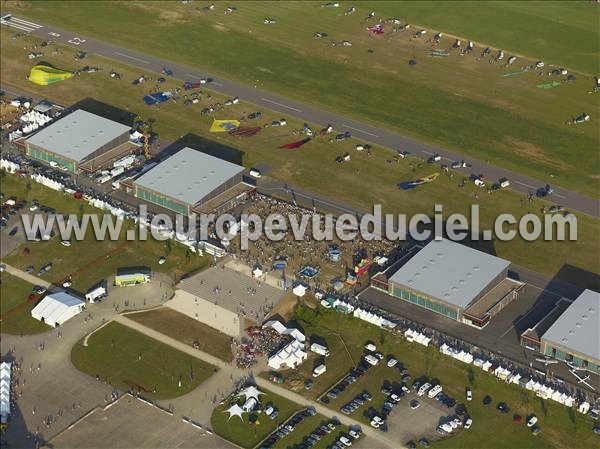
(578, 327)
(449, 271)
(57, 308)
(188, 175)
(77, 135)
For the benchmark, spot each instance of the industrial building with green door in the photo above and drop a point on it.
(186, 180)
(575, 335)
(76, 140)
(456, 281)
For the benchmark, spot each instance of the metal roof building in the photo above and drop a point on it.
(575, 335)
(187, 179)
(75, 138)
(453, 279)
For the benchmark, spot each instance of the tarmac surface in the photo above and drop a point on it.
(367, 132)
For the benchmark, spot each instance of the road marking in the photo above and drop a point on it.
(131, 57)
(361, 131)
(193, 76)
(559, 196)
(427, 152)
(280, 104)
(217, 83)
(52, 33)
(526, 185)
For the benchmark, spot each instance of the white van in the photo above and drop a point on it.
(434, 391)
(319, 370)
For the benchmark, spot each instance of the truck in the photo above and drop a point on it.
(103, 177)
(117, 171)
(320, 349)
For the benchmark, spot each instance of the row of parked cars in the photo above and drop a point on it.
(358, 401)
(288, 427)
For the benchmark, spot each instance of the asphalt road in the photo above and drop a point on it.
(370, 133)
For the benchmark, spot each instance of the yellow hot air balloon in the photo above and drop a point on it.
(45, 75)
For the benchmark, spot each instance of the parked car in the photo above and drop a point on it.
(468, 423)
(414, 404)
(532, 421)
(469, 394)
(255, 173)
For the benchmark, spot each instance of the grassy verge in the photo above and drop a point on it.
(132, 361)
(244, 433)
(88, 261)
(457, 101)
(187, 330)
(15, 307)
(561, 427)
(362, 182)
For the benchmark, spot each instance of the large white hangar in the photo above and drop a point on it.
(456, 281)
(186, 180)
(78, 140)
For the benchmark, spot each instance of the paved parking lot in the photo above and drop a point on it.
(405, 424)
(130, 423)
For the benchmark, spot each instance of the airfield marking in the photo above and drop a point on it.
(280, 104)
(361, 131)
(131, 57)
(19, 24)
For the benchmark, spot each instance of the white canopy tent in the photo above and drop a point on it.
(5, 375)
(235, 410)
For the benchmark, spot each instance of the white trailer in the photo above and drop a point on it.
(117, 171)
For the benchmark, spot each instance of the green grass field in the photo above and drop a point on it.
(113, 353)
(457, 101)
(89, 260)
(187, 330)
(561, 427)
(249, 435)
(360, 183)
(15, 310)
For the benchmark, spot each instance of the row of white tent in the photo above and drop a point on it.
(373, 318)
(293, 353)
(5, 379)
(461, 355)
(541, 390)
(34, 117)
(9, 166)
(281, 329)
(417, 337)
(290, 356)
(48, 182)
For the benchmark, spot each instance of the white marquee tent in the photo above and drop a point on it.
(57, 308)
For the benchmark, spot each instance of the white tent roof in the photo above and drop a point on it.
(55, 307)
(234, 410)
(251, 392)
(5, 374)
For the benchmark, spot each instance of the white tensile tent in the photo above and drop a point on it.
(235, 410)
(57, 308)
